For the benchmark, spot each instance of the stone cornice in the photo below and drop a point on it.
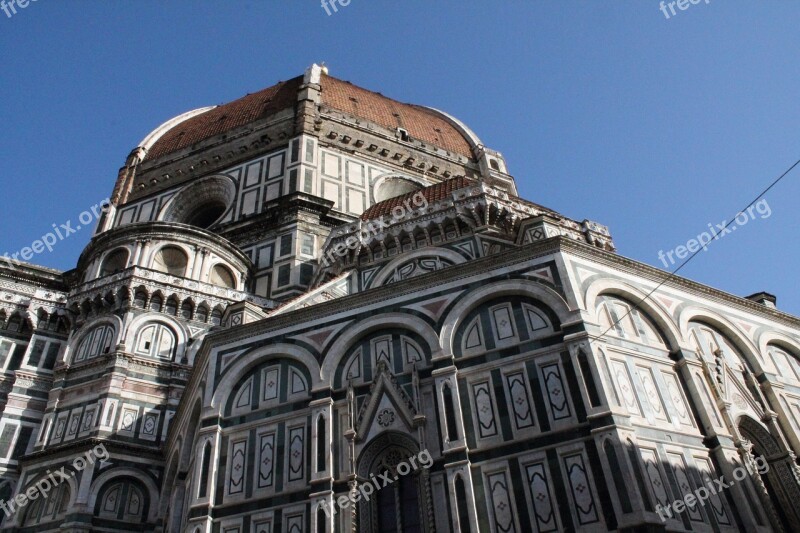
(166, 231)
(631, 266)
(54, 452)
(153, 280)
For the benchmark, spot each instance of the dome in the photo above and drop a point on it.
(432, 194)
(422, 123)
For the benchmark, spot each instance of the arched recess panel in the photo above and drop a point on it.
(710, 342)
(50, 510)
(399, 349)
(506, 322)
(122, 501)
(636, 361)
(156, 340)
(620, 318)
(99, 340)
(272, 383)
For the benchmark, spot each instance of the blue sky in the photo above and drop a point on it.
(610, 111)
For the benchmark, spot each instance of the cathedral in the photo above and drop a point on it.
(319, 309)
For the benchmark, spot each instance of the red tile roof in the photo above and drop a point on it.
(421, 123)
(432, 193)
(227, 117)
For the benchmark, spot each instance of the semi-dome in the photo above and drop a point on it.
(421, 123)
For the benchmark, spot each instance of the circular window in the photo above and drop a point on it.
(203, 203)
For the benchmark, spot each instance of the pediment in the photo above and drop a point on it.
(387, 406)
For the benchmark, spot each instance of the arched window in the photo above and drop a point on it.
(155, 303)
(156, 340)
(397, 506)
(616, 474)
(633, 456)
(122, 500)
(202, 492)
(171, 260)
(50, 509)
(321, 447)
(140, 298)
(216, 317)
(461, 504)
(187, 310)
(449, 413)
(97, 341)
(221, 276)
(172, 306)
(114, 262)
(202, 313)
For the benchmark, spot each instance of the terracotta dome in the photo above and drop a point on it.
(422, 123)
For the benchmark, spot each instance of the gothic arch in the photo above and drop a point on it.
(341, 347)
(250, 359)
(383, 454)
(778, 484)
(759, 435)
(373, 448)
(516, 287)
